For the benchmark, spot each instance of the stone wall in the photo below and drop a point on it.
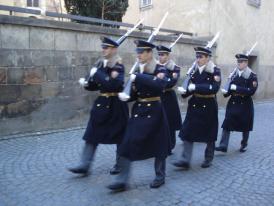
(41, 62)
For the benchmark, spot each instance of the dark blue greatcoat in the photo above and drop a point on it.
(201, 121)
(109, 115)
(239, 110)
(170, 101)
(147, 133)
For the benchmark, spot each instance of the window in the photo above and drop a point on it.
(32, 3)
(145, 3)
(256, 3)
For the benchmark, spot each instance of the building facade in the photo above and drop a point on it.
(57, 6)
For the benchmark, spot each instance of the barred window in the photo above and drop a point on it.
(32, 3)
(256, 3)
(145, 3)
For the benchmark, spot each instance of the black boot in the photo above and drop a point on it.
(243, 148)
(156, 183)
(160, 173)
(81, 169)
(116, 169)
(121, 181)
(117, 187)
(221, 149)
(87, 156)
(206, 164)
(182, 164)
(244, 141)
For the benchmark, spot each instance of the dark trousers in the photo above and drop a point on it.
(123, 177)
(172, 138)
(226, 135)
(188, 149)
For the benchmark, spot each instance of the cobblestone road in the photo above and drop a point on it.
(33, 172)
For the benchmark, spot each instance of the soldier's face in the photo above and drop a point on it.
(108, 51)
(163, 57)
(202, 59)
(144, 56)
(242, 64)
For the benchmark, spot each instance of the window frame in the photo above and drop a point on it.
(255, 3)
(33, 3)
(142, 5)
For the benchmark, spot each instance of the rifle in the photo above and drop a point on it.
(122, 38)
(99, 62)
(191, 70)
(125, 94)
(173, 44)
(233, 74)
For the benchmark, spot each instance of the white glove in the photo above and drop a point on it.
(132, 77)
(223, 91)
(181, 90)
(233, 87)
(92, 71)
(82, 82)
(123, 97)
(191, 87)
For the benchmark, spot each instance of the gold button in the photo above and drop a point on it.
(136, 115)
(98, 105)
(204, 106)
(148, 105)
(148, 116)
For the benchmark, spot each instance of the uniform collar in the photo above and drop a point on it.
(149, 67)
(170, 65)
(209, 67)
(245, 73)
(112, 61)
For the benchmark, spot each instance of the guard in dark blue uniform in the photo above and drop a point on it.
(147, 133)
(169, 97)
(109, 115)
(201, 121)
(239, 111)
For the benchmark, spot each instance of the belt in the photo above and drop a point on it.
(204, 95)
(238, 95)
(109, 94)
(149, 99)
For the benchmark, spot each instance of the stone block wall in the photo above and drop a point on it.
(40, 64)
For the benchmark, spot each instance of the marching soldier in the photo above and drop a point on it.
(169, 98)
(239, 111)
(147, 133)
(201, 121)
(109, 115)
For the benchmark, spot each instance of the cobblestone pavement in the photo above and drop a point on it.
(33, 172)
